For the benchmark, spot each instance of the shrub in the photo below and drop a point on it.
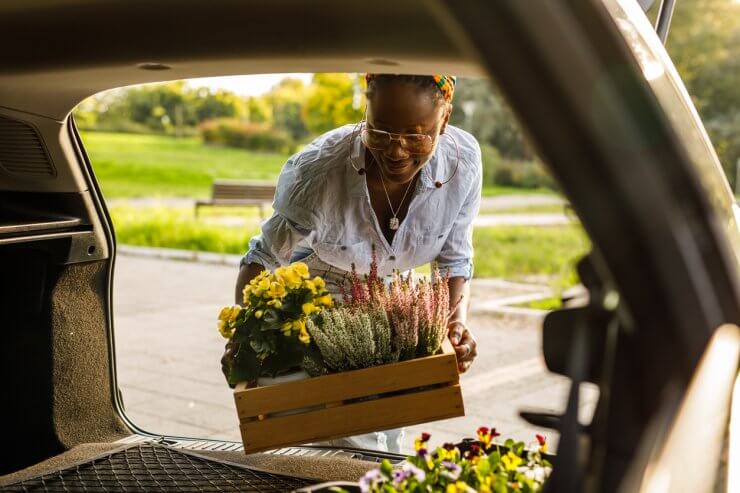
(522, 174)
(253, 136)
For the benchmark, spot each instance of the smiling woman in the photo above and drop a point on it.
(400, 202)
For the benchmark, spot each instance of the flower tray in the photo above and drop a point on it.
(350, 403)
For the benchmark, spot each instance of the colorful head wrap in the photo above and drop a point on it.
(445, 83)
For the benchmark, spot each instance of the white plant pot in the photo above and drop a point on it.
(288, 377)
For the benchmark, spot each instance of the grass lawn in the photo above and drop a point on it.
(510, 252)
(132, 165)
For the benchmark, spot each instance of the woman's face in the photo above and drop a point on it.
(404, 108)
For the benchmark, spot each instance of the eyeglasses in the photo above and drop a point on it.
(379, 140)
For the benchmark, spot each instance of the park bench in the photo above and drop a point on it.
(239, 194)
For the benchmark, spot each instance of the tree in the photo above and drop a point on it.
(332, 102)
(286, 100)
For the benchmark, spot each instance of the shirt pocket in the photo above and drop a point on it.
(430, 243)
(343, 255)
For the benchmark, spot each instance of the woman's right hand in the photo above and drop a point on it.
(227, 360)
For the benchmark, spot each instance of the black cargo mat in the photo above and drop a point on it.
(151, 467)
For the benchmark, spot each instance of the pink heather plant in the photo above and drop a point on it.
(418, 312)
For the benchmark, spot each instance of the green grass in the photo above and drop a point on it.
(522, 252)
(177, 228)
(510, 252)
(496, 190)
(528, 209)
(131, 165)
(549, 303)
(134, 165)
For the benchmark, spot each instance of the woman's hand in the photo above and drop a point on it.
(466, 347)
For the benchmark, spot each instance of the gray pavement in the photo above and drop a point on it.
(168, 353)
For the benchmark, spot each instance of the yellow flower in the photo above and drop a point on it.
(511, 461)
(276, 303)
(310, 286)
(264, 284)
(224, 329)
(288, 277)
(276, 290)
(458, 487)
(303, 336)
(325, 300)
(309, 308)
(287, 328)
(229, 313)
(299, 325)
(301, 269)
(319, 283)
(258, 314)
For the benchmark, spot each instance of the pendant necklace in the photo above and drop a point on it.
(394, 223)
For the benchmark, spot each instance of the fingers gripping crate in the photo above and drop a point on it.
(350, 403)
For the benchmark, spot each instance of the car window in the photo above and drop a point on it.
(160, 151)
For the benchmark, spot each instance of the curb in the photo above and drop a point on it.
(180, 255)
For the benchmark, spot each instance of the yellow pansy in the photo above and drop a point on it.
(301, 269)
(511, 461)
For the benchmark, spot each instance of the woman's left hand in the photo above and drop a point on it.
(466, 347)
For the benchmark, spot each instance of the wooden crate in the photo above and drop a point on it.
(350, 403)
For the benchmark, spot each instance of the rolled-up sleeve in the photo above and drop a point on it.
(456, 256)
(289, 223)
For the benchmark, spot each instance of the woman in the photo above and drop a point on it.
(403, 180)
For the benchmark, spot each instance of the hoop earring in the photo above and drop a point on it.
(439, 184)
(360, 171)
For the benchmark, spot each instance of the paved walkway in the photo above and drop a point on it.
(168, 353)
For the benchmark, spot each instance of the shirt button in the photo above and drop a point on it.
(344, 247)
(392, 257)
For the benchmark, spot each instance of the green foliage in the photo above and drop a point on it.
(252, 136)
(704, 43)
(334, 100)
(481, 110)
(286, 100)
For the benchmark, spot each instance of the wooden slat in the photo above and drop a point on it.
(436, 369)
(353, 419)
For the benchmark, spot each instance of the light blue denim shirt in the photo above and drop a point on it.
(322, 208)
